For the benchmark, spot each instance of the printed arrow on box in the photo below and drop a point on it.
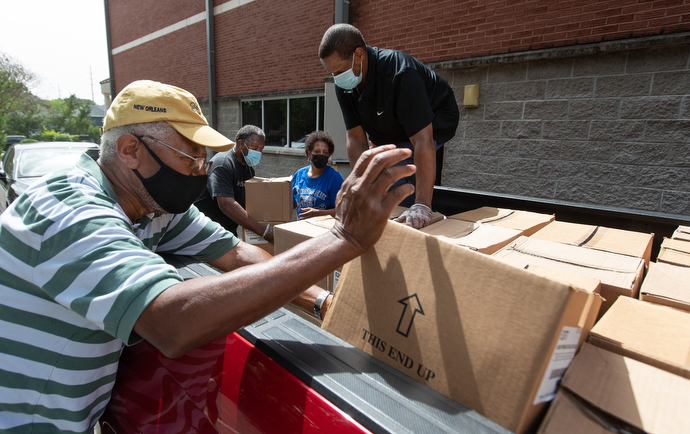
(411, 307)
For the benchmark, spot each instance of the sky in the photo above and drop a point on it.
(62, 42)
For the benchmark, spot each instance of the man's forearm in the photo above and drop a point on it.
(209, 307)
(425, 160)
(240, 216)
(356, 140)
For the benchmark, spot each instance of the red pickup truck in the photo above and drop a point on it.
(286, 375)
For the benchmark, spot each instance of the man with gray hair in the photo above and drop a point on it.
(80, 274)
(224, 198)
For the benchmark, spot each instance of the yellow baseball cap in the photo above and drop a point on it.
(150, 101)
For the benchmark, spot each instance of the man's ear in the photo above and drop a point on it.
(129, 150)
(360, 53)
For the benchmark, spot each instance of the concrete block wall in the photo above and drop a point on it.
(609, 129)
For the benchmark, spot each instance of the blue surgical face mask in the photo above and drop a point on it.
(253, 157)
(348, 80)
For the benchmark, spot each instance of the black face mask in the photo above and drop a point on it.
(319, 161)
(172, 190)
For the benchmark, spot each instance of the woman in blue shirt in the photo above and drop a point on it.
(315, 187)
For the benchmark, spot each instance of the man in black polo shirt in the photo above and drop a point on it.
(393, 98)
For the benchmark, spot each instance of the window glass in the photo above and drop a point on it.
(322, 103)
(251, 113)
(287, 121)
(302, 119)
(275, 122)
(38, 162)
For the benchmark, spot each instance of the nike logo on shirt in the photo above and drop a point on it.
(379, 113)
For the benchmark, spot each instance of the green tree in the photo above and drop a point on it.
(14, 90)
(72, 116)
(28, 118)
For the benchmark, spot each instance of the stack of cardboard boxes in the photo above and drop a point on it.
(486, 230)
(268, 201)
(633, 375)
(494, 321)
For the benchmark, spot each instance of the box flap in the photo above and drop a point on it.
(589, 284)
(654, 334)
(674, 252)
(643, 396)
(524, 221)
(620, 241)
(476, 236)
(682, 233)
(667, 282)
(610, 268)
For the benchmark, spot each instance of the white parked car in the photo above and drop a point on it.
(25, 163)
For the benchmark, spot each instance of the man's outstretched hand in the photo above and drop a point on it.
(364, 203)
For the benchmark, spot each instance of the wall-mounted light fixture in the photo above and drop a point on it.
(471, 95)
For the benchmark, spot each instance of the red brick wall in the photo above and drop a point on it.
(132, 19)
(178, 59)
(436, 30)
(263, 46)
(271, 45)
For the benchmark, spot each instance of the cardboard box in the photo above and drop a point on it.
(667, 285)
(479, 237)
(589, 284)
(619, 241)
(653, 334)
(682, 233)
(255, 239)
(491, 336)
(269, 199)
(603, 390)
(676, 252)
(619, 274)
(288, 235)
(524, 221)
(435, 216)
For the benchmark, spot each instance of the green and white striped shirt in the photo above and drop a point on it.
(75, 275)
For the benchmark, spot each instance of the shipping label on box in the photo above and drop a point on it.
(676, 252)
(479, 237)
(524, 221)
(269, 199)
(257, 240)
(668, 285)
(604, 392)
(477, 330)
(612, 240)
(619, 274)
(653, 334)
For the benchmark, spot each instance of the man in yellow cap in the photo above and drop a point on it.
(80, 274)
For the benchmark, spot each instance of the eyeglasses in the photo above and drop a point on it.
(198, 164)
